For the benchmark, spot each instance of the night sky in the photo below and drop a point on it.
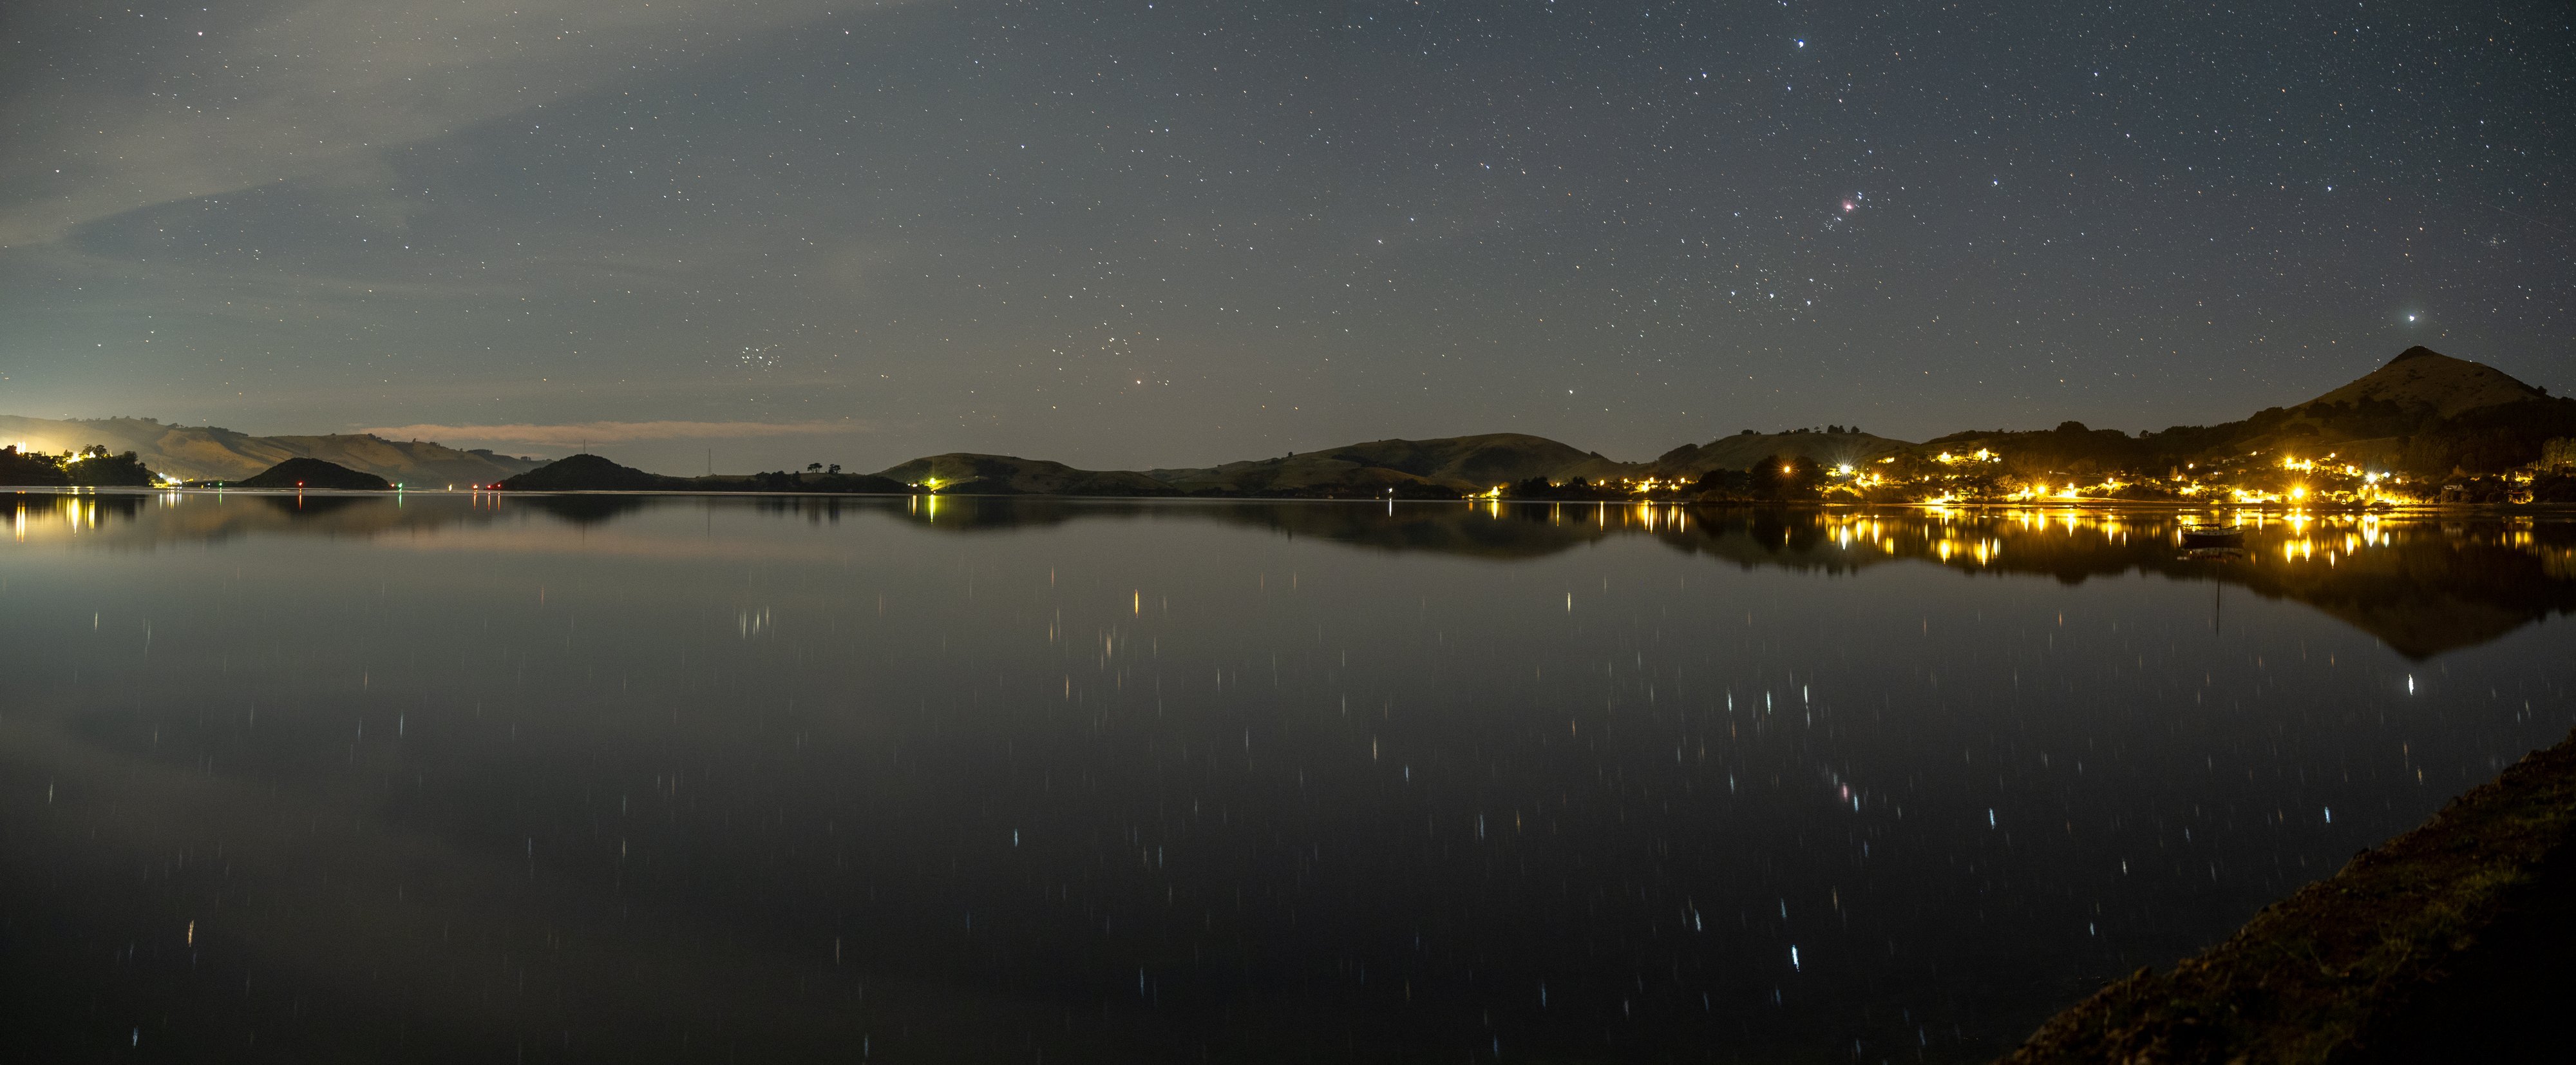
(1130, 234)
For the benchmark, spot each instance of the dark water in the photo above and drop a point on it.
(617, 779)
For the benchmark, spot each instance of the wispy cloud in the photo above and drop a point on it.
(581, 433)
(275, 90)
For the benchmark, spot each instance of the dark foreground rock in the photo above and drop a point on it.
(2448, 943)
(314, 473)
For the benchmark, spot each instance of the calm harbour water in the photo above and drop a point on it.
(680, 779)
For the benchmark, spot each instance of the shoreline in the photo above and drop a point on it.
(2144, 506)
(2422, 945)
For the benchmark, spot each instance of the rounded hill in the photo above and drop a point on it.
(589, 473)
(2423, 377)
(314, 473)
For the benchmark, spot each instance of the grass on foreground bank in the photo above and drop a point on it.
(2356, 961)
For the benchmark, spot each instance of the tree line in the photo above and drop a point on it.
(91, 466)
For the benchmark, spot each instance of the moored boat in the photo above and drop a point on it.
(2212, 536)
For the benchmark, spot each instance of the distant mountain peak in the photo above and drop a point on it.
(2423, 377)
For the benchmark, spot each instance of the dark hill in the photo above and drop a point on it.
(591, 473)
(1483, 460)
(1444, 466)
(2423, 413)
(2423, 377)
(972, 474)
(2070, 449)
(1827, 449)
(314, 473)
(2426, 413)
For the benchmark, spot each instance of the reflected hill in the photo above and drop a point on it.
(589, 508)
(2422, 585)
(1500, 532)
(144, 518)
(1507, 532)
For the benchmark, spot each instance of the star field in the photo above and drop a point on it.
(1140, 234)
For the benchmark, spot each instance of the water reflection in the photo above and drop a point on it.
(587, 509)
(2423, 584)
(965, 779)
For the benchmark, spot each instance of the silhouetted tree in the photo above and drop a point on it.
(98, 468)
(1724, 483)
(30, 469)
(1786, 477)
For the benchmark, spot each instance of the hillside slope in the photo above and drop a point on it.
(1457, 464)
(209, 453)
(1742, 450)
(315, 473)
(973, 474)
(2421, 377)
(591, 473)
(2423, 413)
(1442, 467)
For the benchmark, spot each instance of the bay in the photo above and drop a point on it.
(464, 777)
